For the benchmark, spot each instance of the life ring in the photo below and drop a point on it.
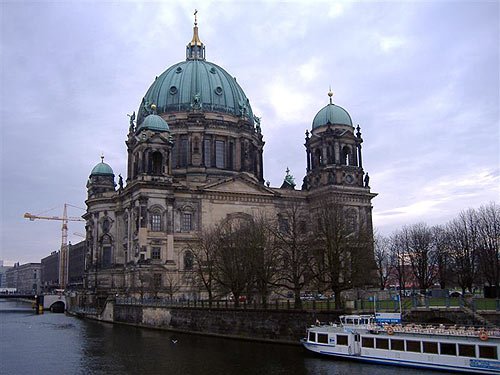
(390, 331)
(483, 336)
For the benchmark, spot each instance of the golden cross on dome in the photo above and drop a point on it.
(195, 13)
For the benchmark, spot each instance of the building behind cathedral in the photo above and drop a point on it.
(194, 159)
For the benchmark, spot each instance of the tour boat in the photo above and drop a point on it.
(363, 338)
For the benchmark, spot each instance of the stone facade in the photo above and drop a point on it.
(192, 165)
(50, 272)
(76, 264)
(26, 278)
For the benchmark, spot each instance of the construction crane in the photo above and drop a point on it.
(63, 255)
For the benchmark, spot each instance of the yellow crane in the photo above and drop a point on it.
(63, 255)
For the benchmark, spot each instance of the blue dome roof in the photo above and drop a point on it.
(332, 114)
(196, 84)
(102, 169)
(154, 122)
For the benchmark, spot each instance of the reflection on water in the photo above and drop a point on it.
(60, 344)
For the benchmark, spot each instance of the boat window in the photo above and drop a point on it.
(323, 338)
(349, 321)
(312, 336)
(489, 352)
(413, 346)
(382, 343)
(397, 344)
(342, 340)
(448, 348)
(466, 350)
(430, 347)
(367, 342)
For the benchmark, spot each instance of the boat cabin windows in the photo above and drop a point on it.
(465, 350)
(448, 348)
(397, 344)
(312, 336)
(489, 352)
(430, 347)
(323, 338)
(342, 340)
(367, 342)
(413, 346)
(382, 343)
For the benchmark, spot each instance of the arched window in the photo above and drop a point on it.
(346, 155)
(183, 152)
(220, 154)
(156, 221)
(156, 163)
(319, 158)
(188, 260)
(187, 221)
(207, 148)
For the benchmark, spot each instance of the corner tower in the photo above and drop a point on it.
(333, 150)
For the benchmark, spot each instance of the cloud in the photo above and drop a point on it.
(310, 70)
(436, 200)
(390, 43)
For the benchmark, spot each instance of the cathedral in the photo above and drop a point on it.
(194, 159)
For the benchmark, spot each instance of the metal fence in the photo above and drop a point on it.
(391, 305)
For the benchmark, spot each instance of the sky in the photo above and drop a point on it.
(421, 78)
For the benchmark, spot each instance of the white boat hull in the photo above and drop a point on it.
(445, 349)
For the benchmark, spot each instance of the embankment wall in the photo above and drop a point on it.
(275, 325)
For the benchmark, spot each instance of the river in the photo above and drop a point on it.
(62, 344)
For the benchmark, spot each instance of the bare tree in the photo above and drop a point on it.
(295, 256)
(204, 254)
(464, 240)
(344, 250)
(382, 259)
(398, 259)
(232, 268)
(171, 284)
(262, 249)
(421, 254)
(489, 254)
(443, 258)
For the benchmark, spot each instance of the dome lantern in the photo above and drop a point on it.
(195, 50)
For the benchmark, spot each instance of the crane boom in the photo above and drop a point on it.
(32, 217)
(63, 255)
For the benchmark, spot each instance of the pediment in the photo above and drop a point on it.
(239, 185)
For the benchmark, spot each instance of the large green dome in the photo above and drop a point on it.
(331, 114)
(197, 84)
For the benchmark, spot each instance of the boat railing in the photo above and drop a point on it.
(441, 330)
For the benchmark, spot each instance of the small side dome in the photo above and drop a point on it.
(102, 169)
(331, 114)
(155, 123)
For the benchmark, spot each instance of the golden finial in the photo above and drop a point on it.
(196, 39)
(153, 107)
(330, 94)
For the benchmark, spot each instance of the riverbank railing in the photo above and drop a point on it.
(390, 305)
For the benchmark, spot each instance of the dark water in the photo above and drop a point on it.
(60, 344)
